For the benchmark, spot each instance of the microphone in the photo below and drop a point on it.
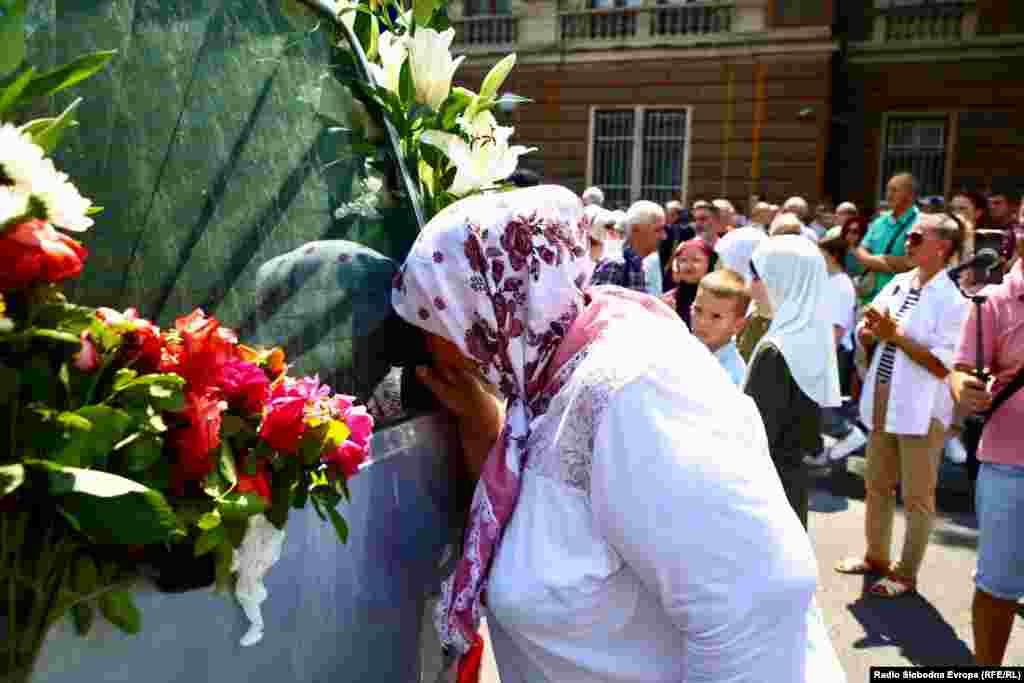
(985, 258)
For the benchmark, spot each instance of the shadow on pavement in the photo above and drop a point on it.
(913, 624)
(823, 501)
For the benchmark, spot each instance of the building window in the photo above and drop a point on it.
(916, 145)
(478, 8)
(639, 153)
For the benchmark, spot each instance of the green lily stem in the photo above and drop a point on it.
(107, 361)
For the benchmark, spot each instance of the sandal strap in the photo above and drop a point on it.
(892, 586)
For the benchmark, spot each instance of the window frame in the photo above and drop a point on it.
(949, 120)
(636, 173)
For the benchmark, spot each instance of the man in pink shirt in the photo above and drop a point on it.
(999, 497)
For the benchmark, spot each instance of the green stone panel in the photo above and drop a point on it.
(218, 139)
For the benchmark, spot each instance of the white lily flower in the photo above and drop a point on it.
(20, 158)
(432, 65)
(349, 17)
(392, 50)
(482, 162)
(65, 207)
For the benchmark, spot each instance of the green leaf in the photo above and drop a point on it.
(163, 391)
(226, 464)
(423, 10)
(10, 95)
(224, 557)
(11, 477)
(12, 34)
(69, 74)
(47, 132)
(87, 575)
(210, 539)
(496, 77)
(119, 609)
(92, 447)
(406, 87)
(65, 317)
(10, 381)
(209, 521)
(141, 452)
(214, 484)
(124, 377)
(458, 101)
(508, 99)
(57, 335)
(241, 505)
(340, 526)
(83, 615)
(108, 508)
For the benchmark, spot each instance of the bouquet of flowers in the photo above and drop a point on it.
(449, 136)
(128, 448)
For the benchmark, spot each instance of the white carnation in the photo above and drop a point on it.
(13, 204)
(65, 207)
(20, 158)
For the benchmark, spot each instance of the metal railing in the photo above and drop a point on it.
(490, 29)
(691, 19)
(925, 21)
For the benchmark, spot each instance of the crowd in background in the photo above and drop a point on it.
(855, 332)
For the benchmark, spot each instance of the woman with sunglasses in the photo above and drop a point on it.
(915, 324)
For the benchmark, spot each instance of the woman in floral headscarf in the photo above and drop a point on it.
(628, 524)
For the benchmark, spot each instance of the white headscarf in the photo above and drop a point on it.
(794, 273)
(735, 249)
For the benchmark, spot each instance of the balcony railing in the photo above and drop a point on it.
(654, 21)
(498, 29)
(937, 20)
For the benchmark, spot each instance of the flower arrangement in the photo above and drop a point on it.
(130, 449)
(449, 137)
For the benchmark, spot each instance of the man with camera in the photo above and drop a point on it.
(999, 495)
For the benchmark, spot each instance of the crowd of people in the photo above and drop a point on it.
(811, 336)
(890, 296)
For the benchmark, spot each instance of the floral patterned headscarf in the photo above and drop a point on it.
(500, 276)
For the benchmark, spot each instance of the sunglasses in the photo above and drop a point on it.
(754, 275)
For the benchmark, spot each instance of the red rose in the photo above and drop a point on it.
(195, 442)
(347, 457)
(284, 423)
(33, 252)
(258, 483)
(245, 384)
(87, 359)
(206, 348)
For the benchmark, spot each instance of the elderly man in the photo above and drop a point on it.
(727, 214)
(786, 223)
(645, 228)
(883, 253)
(593, 195)
(707, 222)
(798, 207)
(762, 216)
(845, 212)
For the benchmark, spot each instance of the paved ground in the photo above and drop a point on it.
(932, 628)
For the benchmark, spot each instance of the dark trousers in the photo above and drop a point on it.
(796, 484)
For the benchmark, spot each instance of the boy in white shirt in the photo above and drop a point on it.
(718, 314)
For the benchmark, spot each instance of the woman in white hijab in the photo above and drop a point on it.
(793, 371)
(737, 248)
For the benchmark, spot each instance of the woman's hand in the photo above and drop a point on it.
(480, 415)
(970, 392)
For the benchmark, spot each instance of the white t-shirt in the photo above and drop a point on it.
(842, 304)
(660, 549)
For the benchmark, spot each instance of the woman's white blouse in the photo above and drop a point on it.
(662, 550)
(915, 395)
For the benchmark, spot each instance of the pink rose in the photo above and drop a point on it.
(347, 457)
(361, 424)
(87, 359)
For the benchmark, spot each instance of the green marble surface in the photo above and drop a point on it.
(216, 140)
